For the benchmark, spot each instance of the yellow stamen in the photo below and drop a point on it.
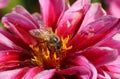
(65, 41)
(46, 57)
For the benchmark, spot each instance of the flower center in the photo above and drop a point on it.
(50, 50)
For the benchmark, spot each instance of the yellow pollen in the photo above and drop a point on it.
(49, 57)
(65, 41)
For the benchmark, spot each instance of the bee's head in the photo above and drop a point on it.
(55, 42)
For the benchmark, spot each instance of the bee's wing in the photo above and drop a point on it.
(36, 33)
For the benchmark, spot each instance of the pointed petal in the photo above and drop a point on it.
(95, 32)
(18, 20)
(101, 55)
(71, 19)
(46, 74)
(51, 10)
(21, 26)
(22, 11)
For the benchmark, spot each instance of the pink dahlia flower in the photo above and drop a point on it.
(63, 42)
(113, 7)
(3, 3)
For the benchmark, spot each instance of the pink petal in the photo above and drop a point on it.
(18, 20)
(78, 66)
(104, 75)
(51, 10)
(6, 43)
(20, 74)
(115, 62)
(95, 11)
(112, 68)
(22, 11)
(12, 73)
(14, 38)
(3, 3)
(95, 32)
(12, 55)
(114, 8)
(37, 17)
(77, 72)
(82, 61)
(46, 74)
(71, 19)
(100, 55)
(113, 42)
(11, 59)
(32, 72)
(114, 75)
(21, 26)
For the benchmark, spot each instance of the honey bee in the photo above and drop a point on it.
(48, 36)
